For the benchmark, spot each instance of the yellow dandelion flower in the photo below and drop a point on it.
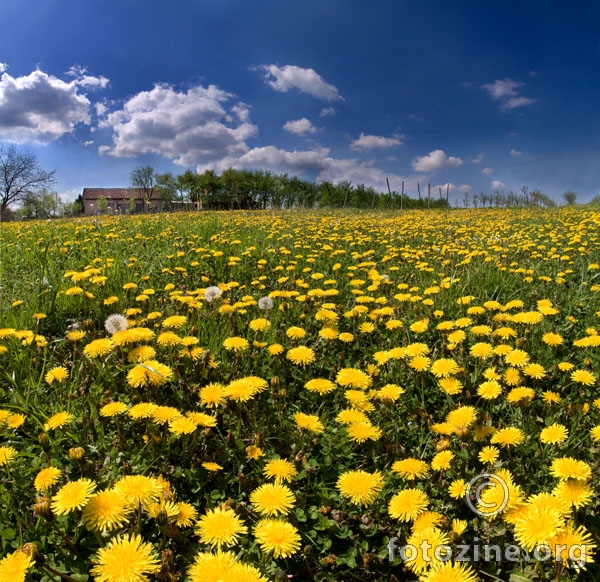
(411, 468)
(273, 499)
(46, 478)
(489, 390)
(569, 468)
(362, 431)
(208, 567)
(353, 378)
(113, 408)
(301, 355)
(58, 420)
(212, 395)
(13, 567)
(73, 495)
(58, 374)
(6, 455)
(360, 486)
(442, 460)
(448, 571)
(308, 422)
(457, 488)
(99, 348)
(236, 344)
(125, 559)
(320, 385)
(220, 527)
(575, 492)
(488, 455)
(149, 373)
(508, 437)
(280, 470)
(106, 510)
(139, 489)
(583, 377)
(279, 537)
(254, 452)
(555, 434)
(408, 504)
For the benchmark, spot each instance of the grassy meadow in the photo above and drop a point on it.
(247, 396)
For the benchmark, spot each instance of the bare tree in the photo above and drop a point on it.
(20, 173)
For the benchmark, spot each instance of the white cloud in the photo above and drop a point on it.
(498, 185)
(327, 112)
(434, 161)
(501, 89)
(83, 80)
(478, 159)
(487, 171)
(40, 107)
(186, 127)
(505, 91)
(514, 152)
(3, 67)
(517, 102)
(369, 142)
(70, 195)
(313, 163)
(306, 80)
(300, 126)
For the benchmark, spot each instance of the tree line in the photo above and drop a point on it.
(28, 186)
(241, 189)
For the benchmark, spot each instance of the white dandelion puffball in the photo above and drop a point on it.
(115, 323)
(265, 303)
(211, 293)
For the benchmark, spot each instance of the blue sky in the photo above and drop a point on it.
(478, 95)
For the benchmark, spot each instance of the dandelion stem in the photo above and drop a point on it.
(57, 573)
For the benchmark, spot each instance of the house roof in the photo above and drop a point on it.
(117, 193)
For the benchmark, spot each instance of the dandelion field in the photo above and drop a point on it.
(270, 396)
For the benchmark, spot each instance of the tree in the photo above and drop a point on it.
(144, 179)
(20, 173)
(102, 205)
(570, 197)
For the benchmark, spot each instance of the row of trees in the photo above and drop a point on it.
(237, 189)
(23, 181)
(254, 189)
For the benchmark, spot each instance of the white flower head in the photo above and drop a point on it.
(211, 293)
(115, 323)
(265, 303)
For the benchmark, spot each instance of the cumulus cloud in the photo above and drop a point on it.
(514, 152)
(306, 80)
(478, 159)
(84, 80)
(497, 185)
(487, 171)
(505, 91)
(369, 142)
(434, 161)
(3, 67)
(186, 127)
(300, 127)
(41, 107)
(327, 112)
(316, 163)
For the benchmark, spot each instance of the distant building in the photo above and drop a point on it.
(121, 200)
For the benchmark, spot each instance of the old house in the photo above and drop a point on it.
(121, 200)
